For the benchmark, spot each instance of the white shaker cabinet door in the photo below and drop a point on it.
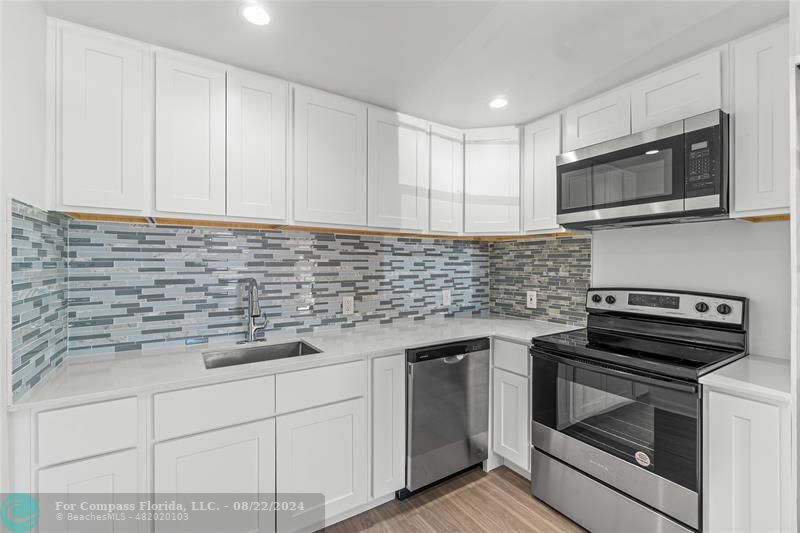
(256, 142)
(397, 171)
(330, 159)
(602, 118)
(447, 180)
(761, 124)
(114, 473)
(388, 424)
(510, 417)
(682, 91)
(101, 120)
(190, 135)
(542, 143)
(491, 180)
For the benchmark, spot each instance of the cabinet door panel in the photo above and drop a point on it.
(388, 424)
(447, 180)
(542, 140)
(107, 474)
(256, 141)
(510, 417)
(397, 171)
(600, 119)
(761, 123)
(190, 136)
(330, 159)
(101, 123)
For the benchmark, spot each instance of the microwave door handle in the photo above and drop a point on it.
(631, 376)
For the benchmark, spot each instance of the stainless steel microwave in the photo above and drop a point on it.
(673, 173)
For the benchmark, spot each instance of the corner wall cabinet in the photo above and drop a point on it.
(446, 180)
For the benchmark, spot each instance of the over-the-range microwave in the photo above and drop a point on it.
(674, 173)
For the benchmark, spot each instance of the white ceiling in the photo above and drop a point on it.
(442, 61)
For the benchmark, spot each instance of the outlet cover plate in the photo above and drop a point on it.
(348, 305)
(447, 298)
(530, 301)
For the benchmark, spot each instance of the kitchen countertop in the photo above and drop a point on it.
(101, 377)
(765, 377)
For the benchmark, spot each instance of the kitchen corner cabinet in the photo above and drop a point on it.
(114, 473)
(190, 135)
(542, 142)
(446, 180)
(748, 464)
(491, 180)
(101, 119)
(397, 171)
(602, 118)
(760, 123)
(388, 424)
(256, 145)
(330, 159)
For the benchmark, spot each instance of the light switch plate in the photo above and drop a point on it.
(447, 298)
(347, 305)
(530, 302)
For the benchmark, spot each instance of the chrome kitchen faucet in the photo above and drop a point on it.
(253, 312)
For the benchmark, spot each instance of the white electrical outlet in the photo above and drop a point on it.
(531, 300)
(447, 298)
(347, 305)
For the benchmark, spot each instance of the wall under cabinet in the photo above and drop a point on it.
(729, 257)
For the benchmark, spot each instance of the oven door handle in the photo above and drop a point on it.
(603, 369)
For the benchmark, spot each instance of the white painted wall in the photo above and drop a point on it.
(22, 71)
(732, 257)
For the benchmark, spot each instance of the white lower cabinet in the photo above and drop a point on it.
(510, 417)
(323, 450)
(113, 473)
(747, 463)
(388, 424)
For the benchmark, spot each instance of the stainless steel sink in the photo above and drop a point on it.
(257, 354)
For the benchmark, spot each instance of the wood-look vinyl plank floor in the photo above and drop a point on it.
(499, 501)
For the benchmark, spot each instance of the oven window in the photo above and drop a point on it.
(647, 425)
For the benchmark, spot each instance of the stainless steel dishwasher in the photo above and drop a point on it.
(447, 410)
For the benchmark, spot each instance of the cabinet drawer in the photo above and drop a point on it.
(213, 406)
(86, 430)
(318, 386)
(511, 356)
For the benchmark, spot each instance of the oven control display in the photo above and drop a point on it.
(654, 300)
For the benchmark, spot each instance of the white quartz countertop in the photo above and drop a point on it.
(764, 377)
(93, 378)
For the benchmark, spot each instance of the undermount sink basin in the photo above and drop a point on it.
(257, 354)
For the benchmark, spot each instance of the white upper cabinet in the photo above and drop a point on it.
(447, 180)
(100, 128)
(761, 123)
(397, 170)
(603, 118)
(491, 180)
(256, 138)
(330, 158)
(682, 91)
(190, 135)
(542, 143)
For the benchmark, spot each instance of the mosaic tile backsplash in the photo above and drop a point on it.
(38, 295)
(558, 269)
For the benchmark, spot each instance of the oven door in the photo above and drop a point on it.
(638, 433)
(639, 176)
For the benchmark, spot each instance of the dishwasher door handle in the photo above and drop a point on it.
(453, 359)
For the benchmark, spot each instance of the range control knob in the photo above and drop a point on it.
(596, 298)
(701, 307)
(724, 309)
(610, 300)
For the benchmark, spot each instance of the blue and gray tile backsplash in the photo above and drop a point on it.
(86, 288)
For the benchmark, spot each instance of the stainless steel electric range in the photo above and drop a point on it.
(617, 414)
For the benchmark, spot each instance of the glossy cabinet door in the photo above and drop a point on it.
(190, 135)
(447, 180)
(510, 417)
(542, 143)
(238, 459)
(760, 124)
(397, 171)
(256, 146)
(100, 130)
(330, 159)
(323, 450)
(491, 180)
(602, 118)
(678, 92)
(388, 424)
(113, 473)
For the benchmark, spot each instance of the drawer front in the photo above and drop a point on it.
(511, 356)
(318, 386)
(199, 409)
(86, 430)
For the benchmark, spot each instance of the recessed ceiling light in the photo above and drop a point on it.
(499, 102)
(651, 152)
(256, 14)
